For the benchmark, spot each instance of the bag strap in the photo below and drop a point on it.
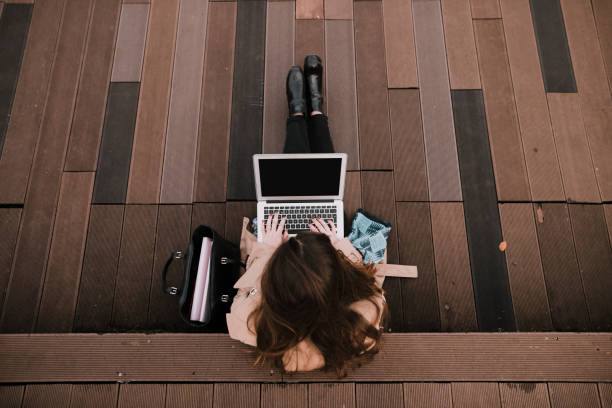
(172, 290)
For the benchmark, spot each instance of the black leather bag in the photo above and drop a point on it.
(224, 272)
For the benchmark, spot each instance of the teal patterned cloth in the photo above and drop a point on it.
(369, 235)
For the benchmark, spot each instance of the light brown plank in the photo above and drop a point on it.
(485, 9)
(399, 44)
(50, 395)
(141, 395)
(189, 395)
(309, 9)
(380, 395)
(234, 212)
(524, 395)
(331, 395)
(598, 126)
(460, 45)
(59, 295)
(573, 148)
(149, 135)
(531, 105)
(573, 395)
(338, 9)
(475, 395)
(9, 225)
(525, 274)
(18, 1)
(280, 33)
(94, 395)
(242, 395)
(602, 11)
(284, 395)
(504, 134)
(352, 197)
(453, 273)
(131, 36)
(605, 394)
(310, 39)
(427, 395)
(11, 395)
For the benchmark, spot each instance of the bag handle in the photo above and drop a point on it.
(172, 290)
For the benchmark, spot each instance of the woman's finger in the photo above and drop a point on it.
(312, 228)
(281, 225)
(324, 225)
(275, 221)
(269, 223)
(332, 226)
(320, 226)
(262, 227)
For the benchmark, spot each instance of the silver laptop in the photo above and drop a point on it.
(300, 187)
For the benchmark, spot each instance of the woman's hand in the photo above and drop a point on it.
(274, 232)
(328, 228)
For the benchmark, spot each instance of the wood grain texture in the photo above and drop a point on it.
(11, 395)
(409, 166)
(184, 112)
(341, 89)
(141, 395)
(98, 277)
(338, 9)
(211, 214)
(380, 395)
(608, 214)
(280, 50)
(475, 395)
(309, 9)
(438, 129)
(29, 102)
(536, 133)
(573, 148)
(331, 395)
(189, 395)
(90, 105)
(572, 395)
(242, 395)
(605, 394)
(131, 36)
(525, 268)
(310, 39)
(214, 132)
(282, 395)
(40, 205)
(399, 44)
(602, 11)
(460, 45)
(63, 275)
(94, 395)
(149, 135)
(55, 395)
(598, 126)
(528, 395)
(372, 99)
(568, 307)
(453, 274)
(9, 225)
(234, 212)
(485, 9)
(427, 395)
(506, 145)
(352, 197)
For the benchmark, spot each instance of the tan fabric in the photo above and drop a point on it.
(305, 356)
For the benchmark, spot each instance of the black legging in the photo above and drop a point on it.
(308, 134)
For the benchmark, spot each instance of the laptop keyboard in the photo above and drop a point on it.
(299, 216)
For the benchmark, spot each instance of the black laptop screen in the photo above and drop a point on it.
(300, 177)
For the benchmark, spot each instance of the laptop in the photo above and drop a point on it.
(300, 187)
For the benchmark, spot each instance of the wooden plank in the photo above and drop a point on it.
(309, 9)
(438, 130)
(211, 214)
(573, 148)
(352, 197)
(372, 98)
(409, 167)
(149, 136)
(9, 225)
(279, 50)
(502, 121)
(598, 126)
(555, 60)
(531, 105)
(475, 395)
(97, 287)
(525, 268)
(94, 395)
(331, 395)
(460, 45)
(310, 39)
(528, 395)
(189, 395)
(595, 262)
(485, 9)
(113, 169)
(131, 36)
(141, 395)
(93, 88)
(608, 214)
(231, 395)
(183, 118)
(11, 395)
(36, 228)
(399, 44)
(419, 296)
(605, 394)
(602, 11)
(381, 395)
(563, 282)
(29, 102)
(247, 99)
(61, 287)
(572, 395)
(283, 395)
(53, 395)
(338, 9)
(14, 25)
(489, 270)
(453, 274)
(427, 395)
(234, 212)
(135, 266)
(341, 89)
(214, 132)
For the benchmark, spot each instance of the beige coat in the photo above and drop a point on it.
(306, 356)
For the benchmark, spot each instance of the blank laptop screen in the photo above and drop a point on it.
(300, 177)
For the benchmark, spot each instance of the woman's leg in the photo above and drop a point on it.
(318, 134)
(296, 140)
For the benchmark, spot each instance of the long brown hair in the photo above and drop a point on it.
(307, 288)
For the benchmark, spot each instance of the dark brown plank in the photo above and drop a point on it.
(135, 266)
(420, 304)
(452, 262)
(372, 98)
(131, 36)
(399, 44)
(605, 394)
(595, 261)
(602, 11)
(189, 395)
(310, 39)
(568, 307)
(608, 213)
(525, 274)
(309, 9)
(475, 395)
(32, 249)
(485, 9)
(141, 395)
(506, 148)
(231, 395)
(234, 212)
(427, 395)
(531, 104)
(90, 105)
(409, 166)
(51, 395)
(284, 395)
(211, 214)
(352, 197)
(380, 395)
(61, 287)
(9, 225)
(524, 395)
(331, 395)
(94, 395)
(214, 132)
(11, 395)
(149, 136)
(338, 10)
(573, 395)
(98, 278)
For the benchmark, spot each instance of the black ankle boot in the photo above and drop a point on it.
(295, 91)
(313, 71)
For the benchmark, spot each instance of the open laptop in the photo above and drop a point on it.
(300, 187)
